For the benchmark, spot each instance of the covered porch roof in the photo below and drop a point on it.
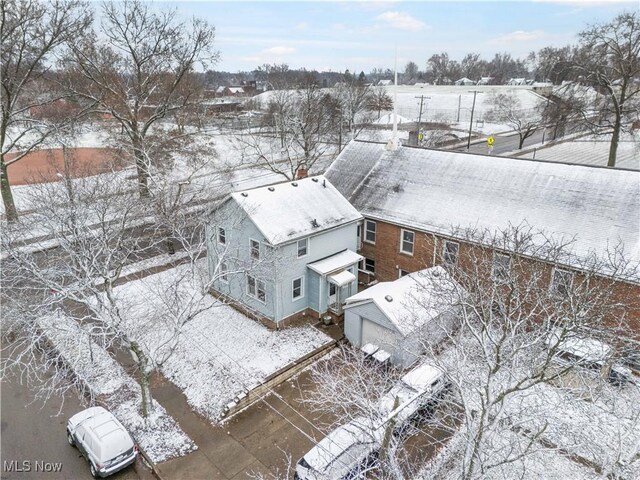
(335, 262)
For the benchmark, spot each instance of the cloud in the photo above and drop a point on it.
(519, 36)
(280, 50)
(401, 21)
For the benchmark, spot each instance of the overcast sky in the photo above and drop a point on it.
(361, 35)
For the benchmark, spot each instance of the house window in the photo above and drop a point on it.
(297, 290)
(332, 289)
(255, 249)
(561, 282)
(256, 289)
(407, 238)
(222, 236)
(303, 247)
(368, 265)
(501, 267)
(402, 273)
(370, 231)
(223, 273)
(450, 253)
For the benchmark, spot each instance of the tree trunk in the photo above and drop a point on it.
(143, 174)
(613, 147)
(7, 197)
(145, 373)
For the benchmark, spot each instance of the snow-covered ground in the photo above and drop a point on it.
(160, 437)
(220, 353)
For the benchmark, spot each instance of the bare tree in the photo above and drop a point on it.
(93, 229)
(139, 69)
(32, 33)
(411, 72)
(299, 131)
(379, 101)
(609, 60)
(504, 352)
(506, 108)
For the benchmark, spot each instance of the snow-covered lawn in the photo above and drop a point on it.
(220, 353)
(161, 438)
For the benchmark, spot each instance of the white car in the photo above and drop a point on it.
(414, 391)
(103, 441)
(348, 452)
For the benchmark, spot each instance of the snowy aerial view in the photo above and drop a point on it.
(320, 240)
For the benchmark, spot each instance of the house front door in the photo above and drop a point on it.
(333, 296)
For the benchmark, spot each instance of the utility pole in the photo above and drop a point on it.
(422, 98)
(475, 92)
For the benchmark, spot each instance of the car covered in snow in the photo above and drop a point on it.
(588, 354)
(348, 452)
(102, 440)
(415, 391)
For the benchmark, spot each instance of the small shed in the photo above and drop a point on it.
(402, 316)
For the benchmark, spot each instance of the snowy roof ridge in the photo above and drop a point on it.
(291, 210)
(437, 191)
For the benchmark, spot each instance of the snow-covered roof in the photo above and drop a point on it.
(291, 210)
(385, 82)
(236, 89)
(436, 191)
(335, 262)
(387, 119)
(413, 300)
(220, 89)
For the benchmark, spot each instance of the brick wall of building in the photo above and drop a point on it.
(428, 252)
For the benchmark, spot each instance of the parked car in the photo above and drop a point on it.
(103, 441)
(418, 389)
(348, 452)
(589, 354)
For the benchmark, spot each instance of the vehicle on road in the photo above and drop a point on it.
(415, 391)
(103, 441)
(348, 452)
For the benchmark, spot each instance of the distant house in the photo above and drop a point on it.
(402, 316)
(224, 91)
(485, 81)
(516, 81)
(421, 84)
(464, 81)
(285, 251)
(385, 83)
(416, 201)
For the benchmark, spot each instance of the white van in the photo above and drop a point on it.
(415, 390)
(103, 441)
(348, 452)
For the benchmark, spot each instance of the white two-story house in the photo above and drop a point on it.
(286, 250)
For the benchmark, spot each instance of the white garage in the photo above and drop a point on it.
(398, 317)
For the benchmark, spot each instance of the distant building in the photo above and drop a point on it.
(485, 81)
(516, 81)
(464, 81)
(385, 83)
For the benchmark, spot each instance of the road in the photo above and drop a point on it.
(505, 144)
(35, 432)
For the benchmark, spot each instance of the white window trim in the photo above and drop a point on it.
(251, 249)
(256, 282)
(400, 270)
(444, 252)
(493, 267)
(295, 299)
(364, 266)
(298, 248)
(552, 287)
(218, 235)
(413, 244)
(375, 232)
(224, 273)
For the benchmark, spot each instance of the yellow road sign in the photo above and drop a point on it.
(490, 141)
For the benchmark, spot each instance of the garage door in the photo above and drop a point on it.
(379, 335)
